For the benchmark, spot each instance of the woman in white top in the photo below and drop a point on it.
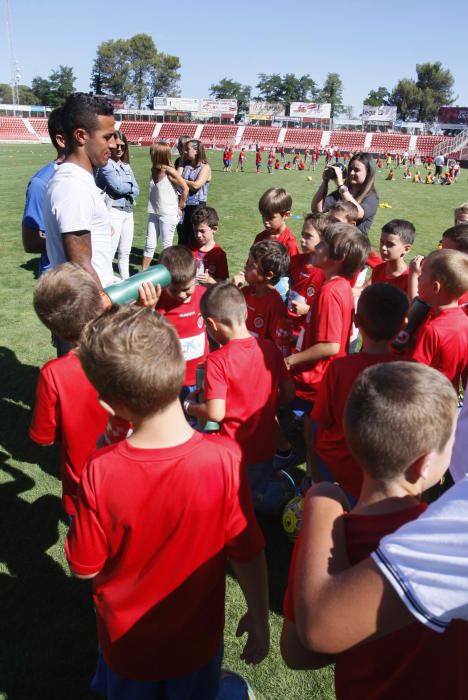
(164, 205)
(117, 180)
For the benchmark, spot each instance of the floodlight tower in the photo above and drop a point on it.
(15, 74)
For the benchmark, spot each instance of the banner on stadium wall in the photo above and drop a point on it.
(310, 109)
(382, 113)
(453, 115)
(260, 117)
(269, 109)
(216, 106)
(181, 104)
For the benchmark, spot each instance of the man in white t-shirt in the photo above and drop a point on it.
(439, 163)
(76, 216)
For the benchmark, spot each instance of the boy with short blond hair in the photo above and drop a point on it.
(461, 214)
(275, 207)
(210, 257)
(442, 339)
(67, 409)
(242, 361)
(396, 241)
(173, 507)
(419, 407)
(341, 252)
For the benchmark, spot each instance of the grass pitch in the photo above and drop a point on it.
(48, 642)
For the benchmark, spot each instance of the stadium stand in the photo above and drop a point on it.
(425, 145)
(14, 129)
(389, 143)
(138, 132)
(300, 138)
(266, 136)
(39, 124)
(348, 140)
(170, 131)
(218, 134)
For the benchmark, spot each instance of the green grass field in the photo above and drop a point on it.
(48, 642)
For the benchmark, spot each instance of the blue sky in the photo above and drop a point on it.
(367, 43)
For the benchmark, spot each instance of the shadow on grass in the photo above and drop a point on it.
(16, 401)
(32, 265)
(48, 645)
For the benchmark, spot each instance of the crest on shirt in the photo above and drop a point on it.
(200, 322)
(212, 269)
(258, 322)
(310, 291)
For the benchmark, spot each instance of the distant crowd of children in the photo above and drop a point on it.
(160, 508)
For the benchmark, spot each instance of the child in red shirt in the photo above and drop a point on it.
(275, 207)
(242, 362)
(258, 160)
(180, 304)
(158, 516)
(442, 339)
(211, 259)
(341, 252)
(305, 279)
(396, 240)
(381, 312)
(67, 409)
(270, 162)
(241, 160)
(456, 238)
(418, 406)
(267, 262)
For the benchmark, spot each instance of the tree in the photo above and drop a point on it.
(378, 97)
(228, 89)
(164, 77)
(111, 69)
(25, 95)
(420, 99)
(134, 69)
(54, 90)
(332, 92)
(287, 89)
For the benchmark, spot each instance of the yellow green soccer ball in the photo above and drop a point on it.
(292, 517)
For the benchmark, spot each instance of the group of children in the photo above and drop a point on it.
(157, 511)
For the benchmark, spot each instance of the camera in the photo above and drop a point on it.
(330, 172)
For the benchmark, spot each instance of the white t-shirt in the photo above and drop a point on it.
(426, 560)
(439, 160)
(459, 460)
(73, 203)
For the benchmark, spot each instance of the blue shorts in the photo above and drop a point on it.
(200, 685)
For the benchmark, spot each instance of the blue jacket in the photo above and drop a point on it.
(118, 182)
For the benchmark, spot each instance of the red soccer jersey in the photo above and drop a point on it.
(405, 664)
(378, 275)
(190, 326)
(231, 373)
(306, 280)
(159, 525)
(328, 410)
(258, 157)
(329, 320)
(286, 237)
(463, 302)
(263, 313)
(442, 343)
(214, 261)
(67, 409)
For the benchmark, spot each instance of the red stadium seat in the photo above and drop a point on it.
(218, 135)
(39, 124)
(265, 136)
(138, 132)
(352, 141)
(170, 131)
(425, 144)
(14, 129)
(389, 143)
(301, 138)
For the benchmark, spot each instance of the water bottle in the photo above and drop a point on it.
(127, 291)
(417, 314)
